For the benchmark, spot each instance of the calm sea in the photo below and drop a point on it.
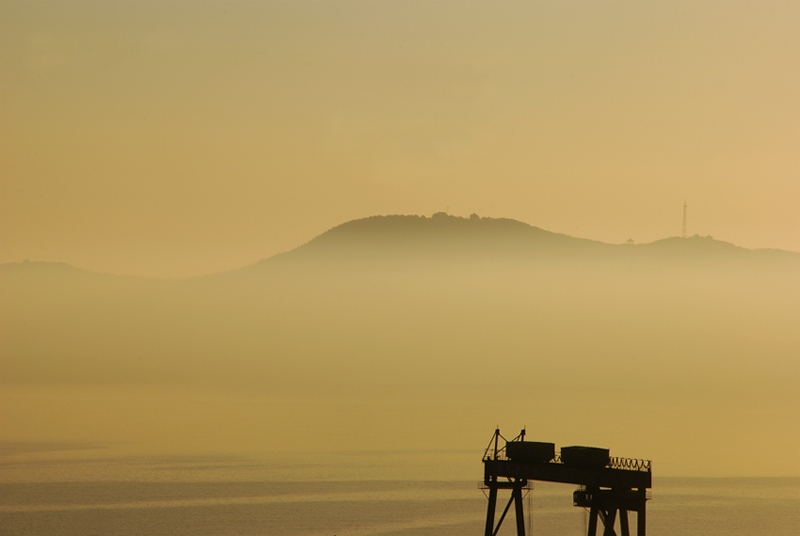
(82, 492)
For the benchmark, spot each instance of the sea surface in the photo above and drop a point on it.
(66, 490)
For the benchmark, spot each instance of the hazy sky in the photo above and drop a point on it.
(176, 138)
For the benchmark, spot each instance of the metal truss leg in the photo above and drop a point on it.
(503, 515)
(623, 523)
(519, 511)
(592, 522)
(490, 511)
(641, 522)
(608, 522)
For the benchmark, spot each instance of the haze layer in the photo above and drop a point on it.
(412, 333)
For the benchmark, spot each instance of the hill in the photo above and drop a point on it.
(427, 326)
(441, 238)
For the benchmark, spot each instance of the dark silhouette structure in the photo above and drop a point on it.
(608, 487)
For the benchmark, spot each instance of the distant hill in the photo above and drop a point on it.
(39, 267)
(442, 238)
(445, 237)
(441, 235)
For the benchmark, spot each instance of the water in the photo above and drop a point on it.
(100, 492)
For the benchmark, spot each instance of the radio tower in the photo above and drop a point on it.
(683, 231)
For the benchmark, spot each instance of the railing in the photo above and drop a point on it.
(490, 454)
(630, 464)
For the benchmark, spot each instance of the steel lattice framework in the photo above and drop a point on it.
(609, 491)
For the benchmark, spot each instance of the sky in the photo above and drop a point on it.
(179, 138)
(171, 139)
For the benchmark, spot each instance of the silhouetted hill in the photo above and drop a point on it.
(400, 238)
(43, 272)
(38, 267)
(442, 238)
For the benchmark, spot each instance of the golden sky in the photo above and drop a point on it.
(178, 138)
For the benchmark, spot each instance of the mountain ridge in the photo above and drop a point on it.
(414, 237)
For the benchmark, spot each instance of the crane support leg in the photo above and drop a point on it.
(623, 523)
(503, 516)
(609, 518)
(519, 511)
(516, 487)
(490, 511)
(592, 522)
(641, 529)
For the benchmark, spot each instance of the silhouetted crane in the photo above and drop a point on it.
(609, 487)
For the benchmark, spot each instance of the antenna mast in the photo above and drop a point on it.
(683, 232)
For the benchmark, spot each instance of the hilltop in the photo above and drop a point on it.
(443, 237)
(411, 236)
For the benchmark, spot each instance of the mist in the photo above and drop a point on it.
(413, 334)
